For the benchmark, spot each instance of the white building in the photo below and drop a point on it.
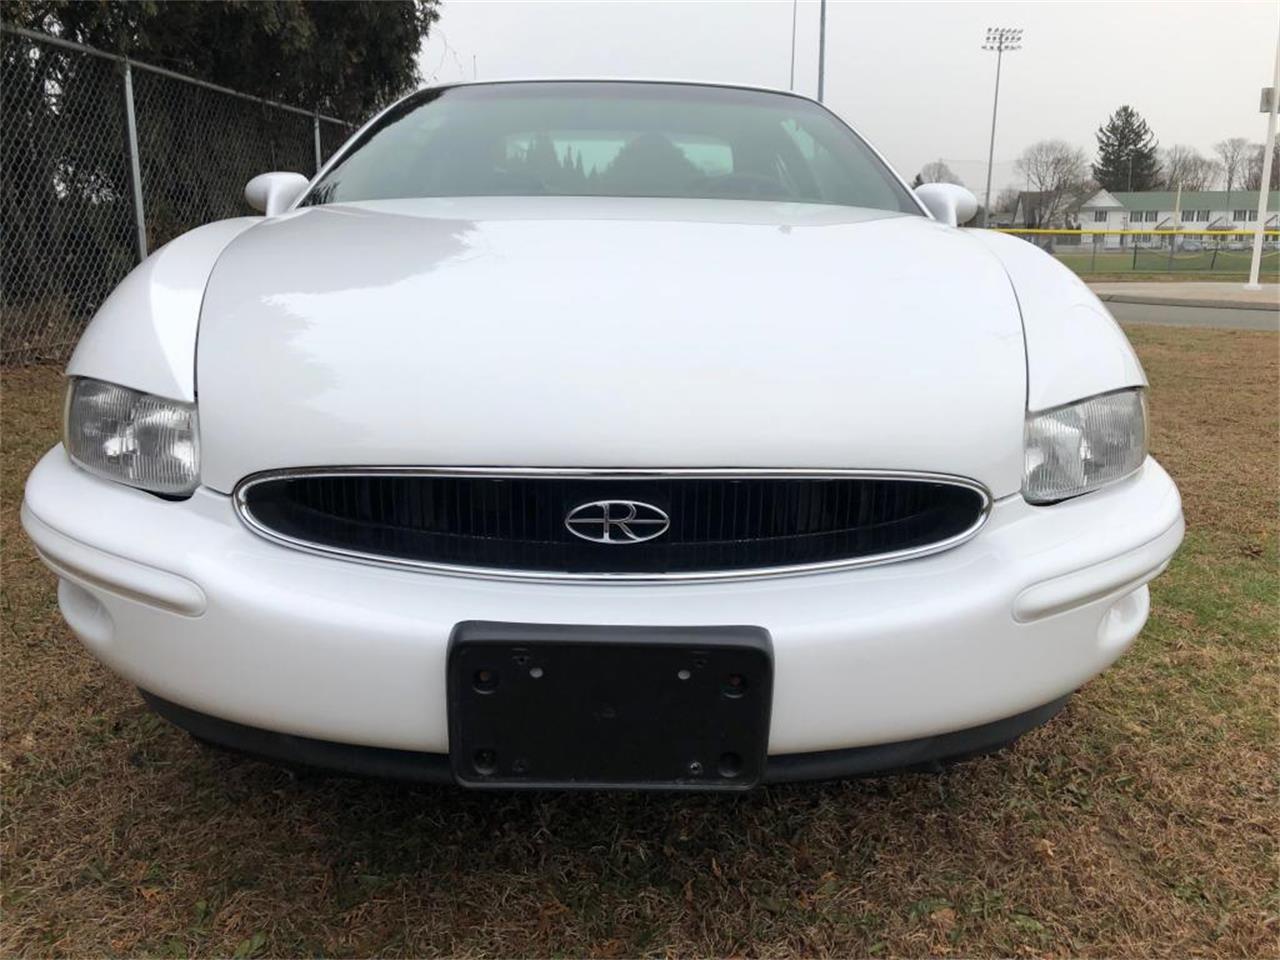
(1165, 210)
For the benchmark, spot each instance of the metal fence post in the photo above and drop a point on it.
(135, 170)
(87, 224)
(315, 126)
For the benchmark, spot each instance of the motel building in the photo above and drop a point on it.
(1236, 212)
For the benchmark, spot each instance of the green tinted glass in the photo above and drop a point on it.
(614, 139)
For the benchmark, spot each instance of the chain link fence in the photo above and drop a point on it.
(104, 159)
(1197, 254)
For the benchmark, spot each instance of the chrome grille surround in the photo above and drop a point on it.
(243, 510)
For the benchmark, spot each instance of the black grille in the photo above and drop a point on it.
(718, 524)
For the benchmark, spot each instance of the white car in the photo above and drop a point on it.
(604, 434)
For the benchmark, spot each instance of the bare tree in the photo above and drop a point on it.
(1058, 173)
(937, 171)
(1252, 178)
(1006, 200)
(1234, 155)
(1188, 168)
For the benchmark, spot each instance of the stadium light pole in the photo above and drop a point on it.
(1001, 40)
(822, 46)
(791, 84)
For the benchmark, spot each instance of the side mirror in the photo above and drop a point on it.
(948, 202)
(271, 193)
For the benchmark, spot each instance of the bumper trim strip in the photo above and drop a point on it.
(94, 567)
(920, 755)
(1115, 575)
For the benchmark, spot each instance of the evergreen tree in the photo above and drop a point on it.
(542, 160)
(571, 165)
(344, 59)
(1127, 157)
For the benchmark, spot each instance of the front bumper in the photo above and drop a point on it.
(184, 601)
(920, 754)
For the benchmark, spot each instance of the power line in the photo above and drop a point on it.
(448, 51)
(444, 50)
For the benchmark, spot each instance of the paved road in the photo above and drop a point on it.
(1223, 318)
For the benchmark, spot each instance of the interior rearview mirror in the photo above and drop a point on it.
(948, 202)
(272, 193)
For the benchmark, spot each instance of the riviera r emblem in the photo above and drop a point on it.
(616, 521)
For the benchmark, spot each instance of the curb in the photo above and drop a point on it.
(1183, 302)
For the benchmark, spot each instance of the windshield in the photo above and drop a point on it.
(619, 139)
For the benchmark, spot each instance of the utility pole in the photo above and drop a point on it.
(822, 46)
(791, 84)
(998, 39)
(1264, 187)
(1177, 223)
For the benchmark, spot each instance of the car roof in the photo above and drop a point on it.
(667, 81)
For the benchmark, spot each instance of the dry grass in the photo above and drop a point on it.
(1141, 822)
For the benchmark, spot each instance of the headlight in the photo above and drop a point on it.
(135, 438)
(1079, 447)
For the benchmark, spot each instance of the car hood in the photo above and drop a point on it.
(589, 332)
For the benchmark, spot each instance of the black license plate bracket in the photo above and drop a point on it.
(599, 707)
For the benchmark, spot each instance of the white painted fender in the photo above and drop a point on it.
(1075, 348)
(144, 334)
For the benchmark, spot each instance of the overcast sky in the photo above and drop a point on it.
(909, 75)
